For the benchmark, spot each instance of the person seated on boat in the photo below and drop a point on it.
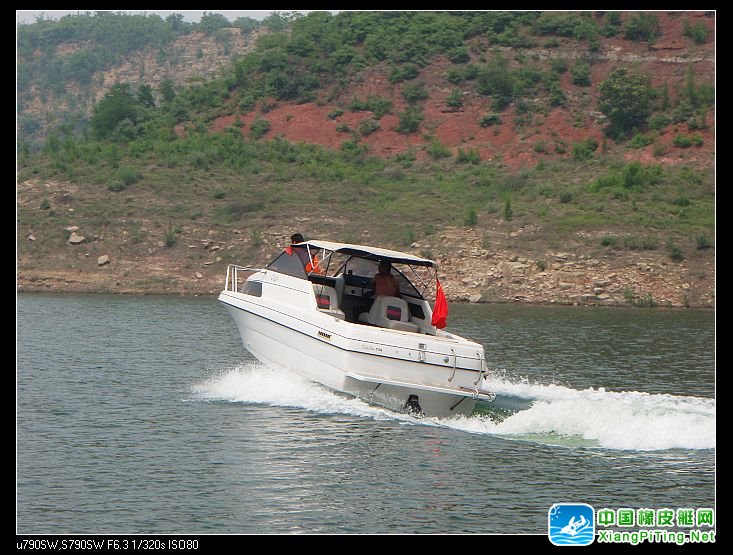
(310, 267)
(384, 283)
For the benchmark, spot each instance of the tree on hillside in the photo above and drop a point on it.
(118, 105)
(145, 96)
(624, 97)
(643, 27)
(211, 22)
(167, 90)
(497, 81)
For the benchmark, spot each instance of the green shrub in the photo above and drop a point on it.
(259, 128)
(642, 27)
(659, 121)
(641, 140)
(455, 75)
(454, 100)
(459, 55)
(128, 176)
(368, 126)
(583, 150)
(686, 141)
(682, 141)
(646, 302)
(404, 73)
(471, 218)
(633, 175)
(373, 103)
(702, 242)
(470, 157)
(697, 32)
(169, 238)
(413, 92)
(353, 149)
(558, 66)
(556, 95)
(498, 81)
(438, 150)
(675, 253)
(508, 212)
(660, 148)
(612, 25)
(489, 120)
(409, 120)
(581, 74)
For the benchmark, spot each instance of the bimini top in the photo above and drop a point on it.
(370, 253)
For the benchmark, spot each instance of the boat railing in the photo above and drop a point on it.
(236, 276)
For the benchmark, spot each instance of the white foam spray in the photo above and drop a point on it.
(558, 415)
(255, 383)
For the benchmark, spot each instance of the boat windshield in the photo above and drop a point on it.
(290, 264)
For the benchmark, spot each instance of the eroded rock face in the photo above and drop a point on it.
(508, 274)
(196, 55)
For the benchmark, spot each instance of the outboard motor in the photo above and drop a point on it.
(412, 407)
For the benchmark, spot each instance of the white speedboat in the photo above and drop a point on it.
(311, 311)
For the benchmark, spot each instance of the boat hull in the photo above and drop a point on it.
(402, 371)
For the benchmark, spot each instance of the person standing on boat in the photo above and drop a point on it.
(296, 238)
(384, 283)
(313, 266)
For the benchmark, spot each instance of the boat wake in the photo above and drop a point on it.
(627, 420)
(552, 414)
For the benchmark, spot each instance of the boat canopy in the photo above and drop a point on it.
(370, 253)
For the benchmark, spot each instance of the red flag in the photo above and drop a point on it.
(440, 311)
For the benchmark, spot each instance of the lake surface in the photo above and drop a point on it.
(145, 415)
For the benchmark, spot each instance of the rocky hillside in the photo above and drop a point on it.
(668, 61)
(563, 244)
(190, 58)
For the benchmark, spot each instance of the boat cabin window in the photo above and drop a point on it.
(289, 264)
(253, 288)
(416, 311)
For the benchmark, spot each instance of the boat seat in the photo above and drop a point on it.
(421, 315)
(389, 312)
(327, 300)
